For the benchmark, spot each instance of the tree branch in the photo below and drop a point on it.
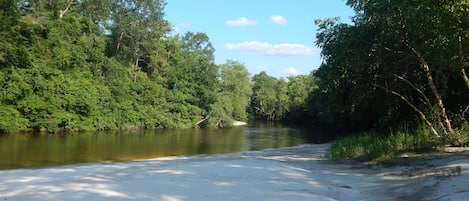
(62, 13)
(426, 68)
(426, 99)
(397, 52)
(422, 115)
(464, 112)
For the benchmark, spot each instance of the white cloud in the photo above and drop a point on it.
(290, 49)
(277, 19)
(290, 71)
(242, 21)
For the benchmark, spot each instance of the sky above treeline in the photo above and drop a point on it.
(274, 36)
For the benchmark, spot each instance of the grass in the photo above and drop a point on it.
(373, 146)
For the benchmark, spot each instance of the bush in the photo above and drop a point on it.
(11, 120)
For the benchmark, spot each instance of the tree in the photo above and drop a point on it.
(408, 52)
(299, 89)
(269, 100)
(80, 65)
(12, 51)
(233, 96)
(136, 28)
(235, 82)
(191, 76)
(199, 59)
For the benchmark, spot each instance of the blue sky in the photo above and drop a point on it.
(274, 36)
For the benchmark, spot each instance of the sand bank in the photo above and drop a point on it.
(295, 173)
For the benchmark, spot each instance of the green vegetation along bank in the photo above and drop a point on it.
(101, 65)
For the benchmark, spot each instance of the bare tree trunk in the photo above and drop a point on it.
(422, 115)
(135, 67)
(426, 68)
(62, 13)
(464, 63)
(425, 100)
(464, 76)
(119, 41)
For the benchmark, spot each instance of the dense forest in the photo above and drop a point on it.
(70, 65)
(99, 65)
(399, 65)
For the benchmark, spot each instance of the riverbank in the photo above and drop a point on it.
(295, 173)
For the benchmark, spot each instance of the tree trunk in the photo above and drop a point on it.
(62, 13)
(425, 100)
(119, 41)
(463, 63)
(464, 76)
(421, 114)
(426, 68)
(135, 67)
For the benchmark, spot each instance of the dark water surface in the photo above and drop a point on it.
(40, 150)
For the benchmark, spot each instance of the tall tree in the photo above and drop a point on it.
(299, 89)
(136, 27)
(269, 100)
(12, 51)
(233, 96)
(235, 83)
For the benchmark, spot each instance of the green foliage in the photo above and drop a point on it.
(235, 84)
(11, 51)
(264, 101)
(299, 89)
(233, 96)
(11, 120)
(97, 65)
(399, 62)
(280, 99)
(221, 113)
(371, 146)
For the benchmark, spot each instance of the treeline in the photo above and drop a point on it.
(97, 65)
(100, 65)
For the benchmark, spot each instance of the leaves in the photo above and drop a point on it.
(387, 47)
(233, 96)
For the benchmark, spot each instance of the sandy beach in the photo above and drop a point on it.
(295, 173)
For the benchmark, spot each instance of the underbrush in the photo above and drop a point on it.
(372, 146)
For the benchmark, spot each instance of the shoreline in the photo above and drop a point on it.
(293, 173)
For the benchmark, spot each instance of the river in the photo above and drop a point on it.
(41, 150)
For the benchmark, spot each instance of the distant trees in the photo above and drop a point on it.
(280, 99)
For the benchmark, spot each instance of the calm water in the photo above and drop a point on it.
(39, 150)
